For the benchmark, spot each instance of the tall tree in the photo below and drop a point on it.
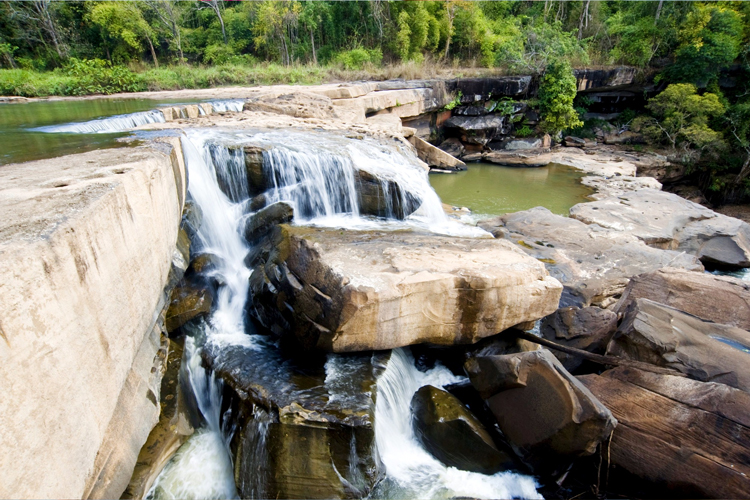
(215, 6)
(123, 24)
(169, 14)
(40, 16)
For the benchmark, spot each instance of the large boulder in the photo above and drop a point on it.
(589, 329)
(435, 157)
(594, 264)
(711, 352)
(186, 302)
(260, 223)
(477, 129)
(683, 438)
(545, 413)
(483, 89)
(306, 426)
(721, 299)
(667, 221)
(453, 435)
(353, 290)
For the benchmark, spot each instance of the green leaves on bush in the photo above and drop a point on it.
(557, 92)
(357, 59)
(95, 76)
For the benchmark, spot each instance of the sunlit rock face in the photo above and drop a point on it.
(347, 291)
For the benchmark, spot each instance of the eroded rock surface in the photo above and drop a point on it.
(351, 290)
(721, 299)
(710, 352)
(665, 220)
(688, 438)
(305, 427)
(593, 263)
(545, 413)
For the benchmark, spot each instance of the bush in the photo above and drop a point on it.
(356, 59)
(556, 95)
(95, 76)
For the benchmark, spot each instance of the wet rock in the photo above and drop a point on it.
(171, 431)
(452, 146)
(547, 415)
(257, 181)
(180, 258)
(353, 290)
(203, 263)
(681, 437)
(383, 198)
(721, 299)
(185, 303)
(477, 129)
(594, 264)
(305, 428)
(710, 352)
(453, 435)
(588, 329)
(261, 222)
(664, 220)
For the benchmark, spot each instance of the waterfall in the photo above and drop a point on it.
(221, 106)
(411, 471)
(317, 173)
(117, 123)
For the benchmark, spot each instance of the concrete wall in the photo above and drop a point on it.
(85, 248)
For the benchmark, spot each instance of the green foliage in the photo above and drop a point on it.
(557, 92)
(357, 59)
(710, 40)
(681, 117)
(524, 131)
(638, 39)
(455, 102)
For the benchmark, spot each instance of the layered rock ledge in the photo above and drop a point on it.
(86, 244)
(351, 291)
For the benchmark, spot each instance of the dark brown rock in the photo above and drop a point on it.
(545, 413)
(452, 434)
(589, 329)
(261, 222)
(682, 436)
(187, 302)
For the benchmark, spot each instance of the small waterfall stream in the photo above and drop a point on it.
(316, 174)
(110, 124)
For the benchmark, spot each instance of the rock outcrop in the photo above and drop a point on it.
(352, 291)
(594, 264)
(589, 329)
(664, 220)
(453, 435)
(710, 352)
(305, 427)
(86, 247)
(547, 415)
(720, 299)
(689, 439)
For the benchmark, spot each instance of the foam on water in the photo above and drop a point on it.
(221, 106)
(111, 124)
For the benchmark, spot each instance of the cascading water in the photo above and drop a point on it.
(411, 471)
(222, 106)
(319, 179)
(111, 124)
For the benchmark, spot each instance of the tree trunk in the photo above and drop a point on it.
(153, 52)
(312, 41)
(658, 11)
(745, 169)
(584, 17)
(449, 13)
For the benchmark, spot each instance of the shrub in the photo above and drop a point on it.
(556, 95)
(356, 59)
(95, 76)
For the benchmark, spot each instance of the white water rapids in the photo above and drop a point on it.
(314, 170)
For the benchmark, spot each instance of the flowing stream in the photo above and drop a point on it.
(315, 173)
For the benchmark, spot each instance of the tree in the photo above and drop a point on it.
(40, 20)
(710, 40)
(680, 116)
(169, 14)
(214, 6)
(557, 91)
(123, 24)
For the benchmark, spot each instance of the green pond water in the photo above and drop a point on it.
(492, 190)
(19, 143)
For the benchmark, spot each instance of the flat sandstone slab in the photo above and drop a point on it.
(345, 291)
